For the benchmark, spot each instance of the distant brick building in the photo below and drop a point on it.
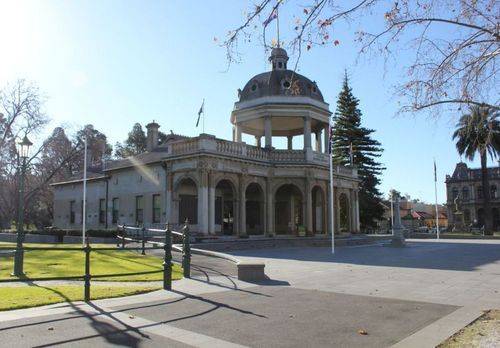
(465, 183)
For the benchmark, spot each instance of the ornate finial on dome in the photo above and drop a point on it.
(278, 58)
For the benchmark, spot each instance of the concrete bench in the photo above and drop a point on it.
(251, 271)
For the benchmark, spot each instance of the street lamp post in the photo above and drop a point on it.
(24, 147)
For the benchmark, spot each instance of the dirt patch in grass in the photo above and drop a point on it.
(483, 332)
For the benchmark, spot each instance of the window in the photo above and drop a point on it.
(116, 209)
(454, 193)
(493, 192)
(102, 211)
(156, 209)
(139, 210)
(466, 216)
(465, 193)
(72, 212)
(479, 192)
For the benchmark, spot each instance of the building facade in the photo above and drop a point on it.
(464, 191)
(228, 187)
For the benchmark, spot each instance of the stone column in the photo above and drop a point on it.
(398, 239)
(309, 210)
(326, 139)
(211, 204)
(237, 130)
(243, 212)
(203, 212)
(307, 132)
(268, 131)
(290, 142)
(318, 140)
(257, 140)
(269, 209)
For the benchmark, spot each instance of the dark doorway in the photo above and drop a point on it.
(254, 209)
(224, 207)
(288, 209)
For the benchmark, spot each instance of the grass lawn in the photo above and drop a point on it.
(31, 296)
(483, 332)
(52, 263)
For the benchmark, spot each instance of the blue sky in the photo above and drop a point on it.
(114, 63)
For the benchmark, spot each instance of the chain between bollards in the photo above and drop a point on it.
(186, 251)
(167, 260)
(87, 271)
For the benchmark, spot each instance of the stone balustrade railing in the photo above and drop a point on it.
(208, 143)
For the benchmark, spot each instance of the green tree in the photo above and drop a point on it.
(479, 132)
(349, 136)
(134, 144)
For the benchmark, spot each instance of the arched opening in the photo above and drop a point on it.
(495, 215)
(254, 208)
(344, 213)
(318, 210)
(288, 209)
(188, 201)
(224, 207)
(480, 217)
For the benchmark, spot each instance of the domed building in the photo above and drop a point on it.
(229, 187)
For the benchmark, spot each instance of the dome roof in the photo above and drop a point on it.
(280, 82)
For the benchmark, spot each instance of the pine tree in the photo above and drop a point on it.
(134, 145)
(347, 134)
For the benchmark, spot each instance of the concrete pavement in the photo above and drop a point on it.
(416, 296)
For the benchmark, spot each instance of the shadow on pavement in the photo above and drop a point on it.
(439, 255)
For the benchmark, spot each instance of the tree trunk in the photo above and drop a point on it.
(486, 195)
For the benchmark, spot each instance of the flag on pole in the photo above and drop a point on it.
(202, 110)
(272, 17)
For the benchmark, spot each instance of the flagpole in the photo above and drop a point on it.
(330, 155)
(436, 196)
(278, 24)
(84, 210)
(203, 125)
(392, 212)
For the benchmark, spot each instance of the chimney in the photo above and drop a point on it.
(152, 136)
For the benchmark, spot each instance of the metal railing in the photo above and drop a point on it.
(166, 246)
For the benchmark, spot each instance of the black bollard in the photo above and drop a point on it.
(167, 260)
(143, 240)
(87, 271)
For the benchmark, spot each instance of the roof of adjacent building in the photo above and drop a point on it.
(462, 172)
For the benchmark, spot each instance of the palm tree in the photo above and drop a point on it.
(479, 132)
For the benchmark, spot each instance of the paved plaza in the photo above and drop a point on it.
(374, 296)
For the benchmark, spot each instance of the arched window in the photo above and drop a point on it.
(465, 193)
(454, 193)
(493, 191)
